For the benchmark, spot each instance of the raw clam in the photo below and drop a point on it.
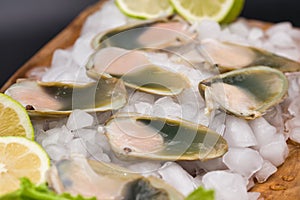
(136, 70)
(246, 93)
(156, 138)
(229, 56)
(106, 181)
(158, 33)
(54, 98)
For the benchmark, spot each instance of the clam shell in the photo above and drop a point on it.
(55, 99)
(78, 175)
(229, 56)
(136, 70)
(247, 93)
(159, 33)
(156, 138)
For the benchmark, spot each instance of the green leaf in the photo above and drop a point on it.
(201, 194)
(29, 191)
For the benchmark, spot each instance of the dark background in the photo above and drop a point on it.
(27, 25)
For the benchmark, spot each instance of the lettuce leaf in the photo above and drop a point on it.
(201, 194)
(29, 191)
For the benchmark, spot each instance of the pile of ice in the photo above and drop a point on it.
(256, 148)
(80, 135)
(293, 108)
(188, 105)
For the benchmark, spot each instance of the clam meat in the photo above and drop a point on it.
(228, 56)
(136, 70)
(247, 93)
(55, 98)
(106, 181)
(155, 138)
(158, 33)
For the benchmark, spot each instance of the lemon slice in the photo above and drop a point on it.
(145, 9)
(223, 11)
(14, 118)
(21, 157)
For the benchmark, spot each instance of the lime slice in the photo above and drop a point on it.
(223, 11)
(145, 9)
(21, 157)
(14, 118)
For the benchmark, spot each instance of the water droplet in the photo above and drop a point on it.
(278, 187)
(288, 178)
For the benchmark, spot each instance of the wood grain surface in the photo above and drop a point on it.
(283, 185)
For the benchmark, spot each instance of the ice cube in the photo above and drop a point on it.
(227, 185)
(77, 146)
(253, 195)
(251, 183)
(86, 134)
(208, 29)
(276, 151)
(279, 27)
(198, 181)
(263, 131)
(95, 151)
(265, 172)
(294, 107)
(282, 40)
(143, 108)
(108, 17)
(141, 97)
(244, 161)
(255, 34)
(61, 58)
(65, 135)
(269, 46)
(79, 119)
(227, 36)
(295, 134)
(275, 117)
(191, 104)
(56, 74)
(166, 107)
(238, 133)
(40, 135)
(291, 53)
(295, 34)
(239, 28)
(36, 73)
(56, 152)
(82, 49)
(217, 122)
(102, 141)
(174, 175)
(52, 137)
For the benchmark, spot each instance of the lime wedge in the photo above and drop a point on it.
(20, 157)
(223, 11)
(145, 9)
(14, 118)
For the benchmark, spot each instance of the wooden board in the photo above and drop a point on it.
(283, 185)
